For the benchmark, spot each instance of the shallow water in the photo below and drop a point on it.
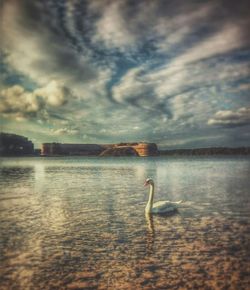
(79, 223)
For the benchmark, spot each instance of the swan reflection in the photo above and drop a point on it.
(150, 233)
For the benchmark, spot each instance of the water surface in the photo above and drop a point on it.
(79, 223)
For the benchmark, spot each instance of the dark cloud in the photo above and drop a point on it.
(37, 45)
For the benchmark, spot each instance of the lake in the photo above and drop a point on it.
(79, 223)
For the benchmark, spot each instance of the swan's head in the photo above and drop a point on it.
(148, 181)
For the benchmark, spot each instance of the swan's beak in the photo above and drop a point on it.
(145, 184)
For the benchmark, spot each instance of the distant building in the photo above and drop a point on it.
(52, 149)
(15, 145)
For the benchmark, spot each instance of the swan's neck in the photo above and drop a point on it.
(150, 199)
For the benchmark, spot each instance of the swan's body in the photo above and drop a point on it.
(159, 207)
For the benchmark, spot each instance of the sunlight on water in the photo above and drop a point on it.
(79, 223)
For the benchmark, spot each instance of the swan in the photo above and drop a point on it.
(159, 207)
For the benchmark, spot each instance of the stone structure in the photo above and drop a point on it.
(146, 149)
(52, 149)
(15, 145)
(121, 149)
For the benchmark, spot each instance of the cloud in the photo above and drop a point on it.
(223, 41)
(244, 87)
(111, 27)
(154, 89)
(177, 27)
(54, 94)
(169, 27)
(131, 86)
(18, 103)
(228, 118)
(64, 131)
(126, 70)
(38, 47)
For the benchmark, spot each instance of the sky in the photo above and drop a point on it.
(173, 72)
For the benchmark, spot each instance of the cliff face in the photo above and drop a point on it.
(146, 149)
(119, 151)
(142, 149)
(15, 145)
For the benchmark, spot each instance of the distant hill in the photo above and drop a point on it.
(15, 145)
(207, 151)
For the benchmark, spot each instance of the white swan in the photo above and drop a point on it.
(159, 207)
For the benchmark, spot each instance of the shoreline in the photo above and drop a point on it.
(132, 157)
